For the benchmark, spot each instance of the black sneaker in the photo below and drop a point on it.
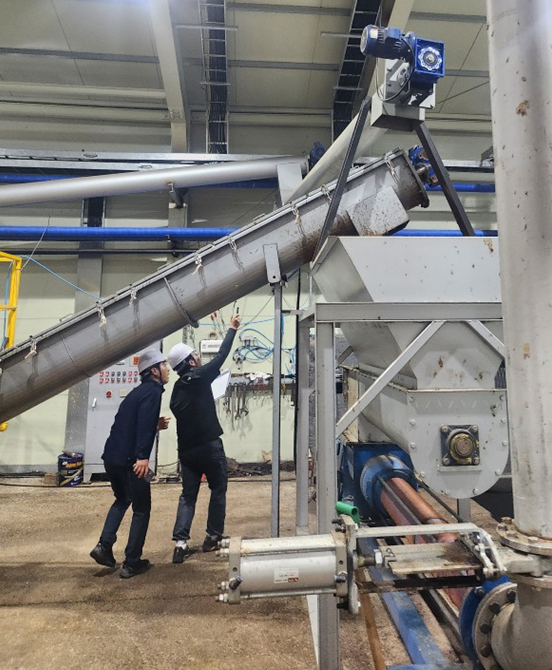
(210, 543)
(103, 555)
(180, 554)
(127, 571)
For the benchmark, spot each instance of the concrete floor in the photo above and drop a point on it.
(58, 609)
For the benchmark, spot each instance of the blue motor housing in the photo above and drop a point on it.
(362, 465)
(426, 57)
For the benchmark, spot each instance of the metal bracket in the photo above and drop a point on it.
(175, 195)
(272, 263)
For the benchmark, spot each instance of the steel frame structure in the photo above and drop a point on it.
(323, 318)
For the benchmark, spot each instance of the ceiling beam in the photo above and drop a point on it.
(287, 9)
(173, 82)
(78, 55)
(448, 18)
(105, 92)
(271, 65)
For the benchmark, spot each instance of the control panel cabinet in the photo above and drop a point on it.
(106, 391)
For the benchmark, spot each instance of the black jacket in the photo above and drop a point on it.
(192, 401)
(135, 426)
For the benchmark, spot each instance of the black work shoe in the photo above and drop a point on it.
(211, 542)
(103, 555)
(180, 554)
(127, 571)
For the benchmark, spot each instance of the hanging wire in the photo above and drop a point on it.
(30, 257)
(55, 274)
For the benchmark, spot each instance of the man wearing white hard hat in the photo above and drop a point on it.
(126, 459)
(200, 448)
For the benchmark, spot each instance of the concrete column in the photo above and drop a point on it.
(520, 48)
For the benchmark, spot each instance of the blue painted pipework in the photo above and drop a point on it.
(361, 467)
(72, 234)
(441, 233)
(468, 613)
(460, 187)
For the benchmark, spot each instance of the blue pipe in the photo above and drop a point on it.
(442, 233)
(28, 178)
(72, 234)
(67, 234)
(484, 187)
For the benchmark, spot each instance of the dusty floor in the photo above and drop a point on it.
(58, 609)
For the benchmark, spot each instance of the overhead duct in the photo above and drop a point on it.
(139, 182)
(373, 203)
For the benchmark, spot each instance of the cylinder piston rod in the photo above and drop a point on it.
(284, 566)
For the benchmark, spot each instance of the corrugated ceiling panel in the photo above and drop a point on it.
(472, 100)
(320, 90)
(106, 27)
(30, 24)
(291, 37)
(44, 70)
(129, 75)
(330, 49)
(478, 58)
(195, 95)
(268, 88)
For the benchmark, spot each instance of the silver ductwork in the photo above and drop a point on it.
(141, 182)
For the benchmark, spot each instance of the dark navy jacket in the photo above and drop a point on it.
(192, 401)
(135, 426)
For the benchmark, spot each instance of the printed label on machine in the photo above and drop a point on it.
(286, 576)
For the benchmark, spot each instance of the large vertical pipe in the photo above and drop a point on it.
(520, 42)
(520, 47)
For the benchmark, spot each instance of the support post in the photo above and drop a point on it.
(302, 455)
(276, 410)
(443, 176)
(326, 484)
(275, 280)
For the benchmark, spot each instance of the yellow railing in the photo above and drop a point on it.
(14, 277)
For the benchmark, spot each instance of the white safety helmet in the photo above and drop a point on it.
(178, 354)
(149, 358)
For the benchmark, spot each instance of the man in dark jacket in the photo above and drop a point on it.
(200, 448)
(126, 458)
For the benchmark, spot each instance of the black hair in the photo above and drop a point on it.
(184, 366)
(147, 373)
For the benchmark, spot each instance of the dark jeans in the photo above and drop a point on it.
(208, 459)
(128, 489)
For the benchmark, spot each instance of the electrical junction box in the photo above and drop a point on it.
(209, 348)
(106, 391)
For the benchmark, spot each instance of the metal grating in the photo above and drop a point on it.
(215, 73)
(348, 86)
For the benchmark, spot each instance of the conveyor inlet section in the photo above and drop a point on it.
(189, 289)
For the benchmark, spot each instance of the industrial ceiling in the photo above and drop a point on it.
(207, 71)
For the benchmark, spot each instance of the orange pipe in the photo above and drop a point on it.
(423, 512)
(420, 508)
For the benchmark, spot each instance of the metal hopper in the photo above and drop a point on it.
(441, 406)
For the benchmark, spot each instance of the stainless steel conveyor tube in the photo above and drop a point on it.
(187, 290)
